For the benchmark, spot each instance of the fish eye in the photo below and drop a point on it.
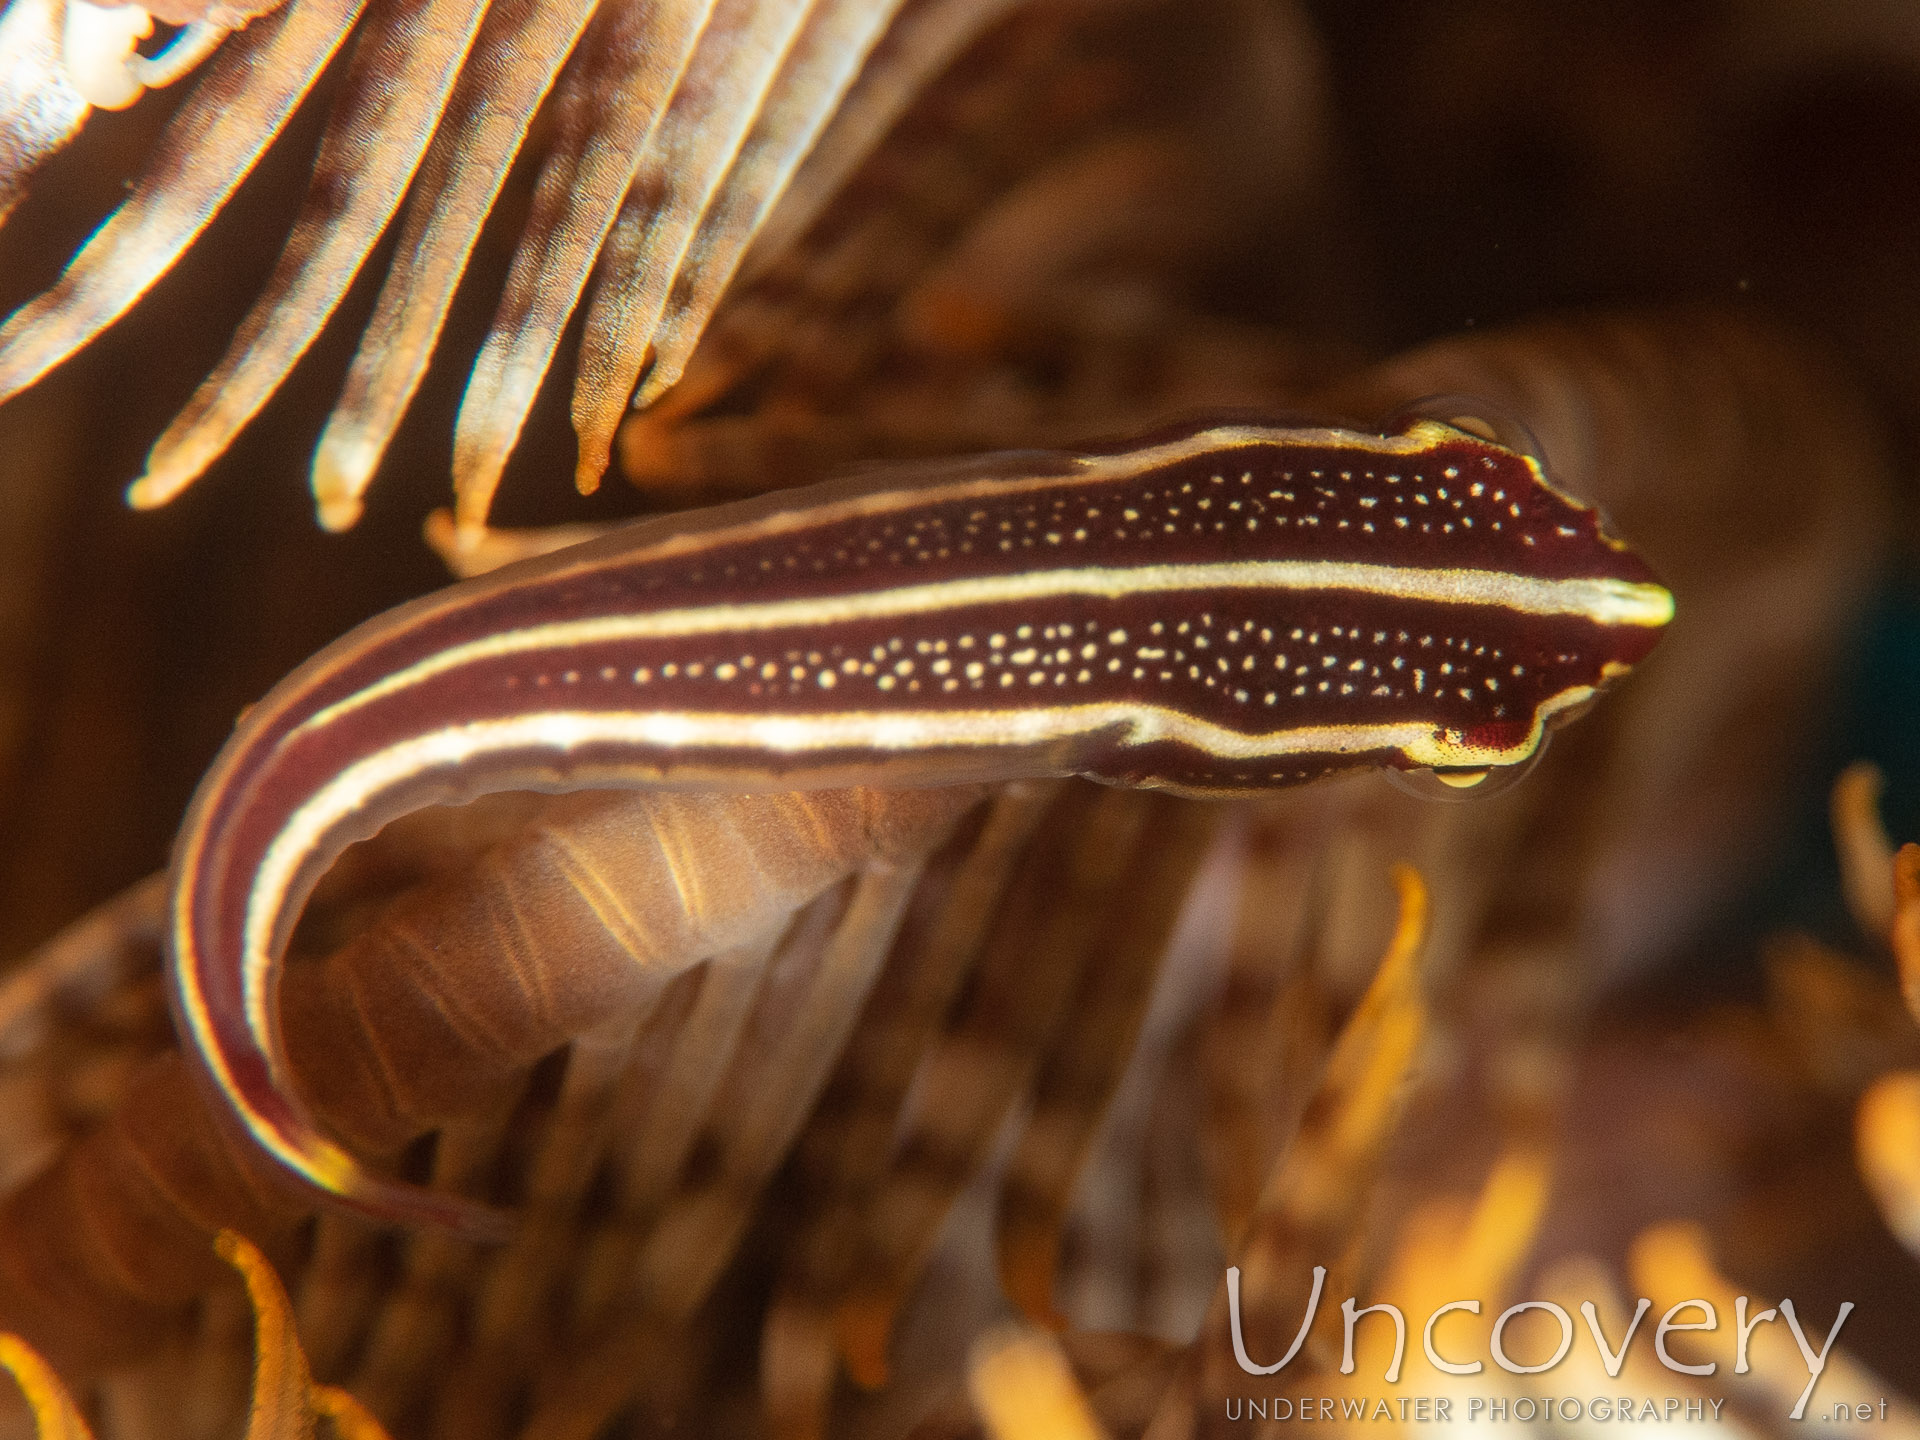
(1448, 784)
(1488, 421)
(1566, 716)
(1477, 417)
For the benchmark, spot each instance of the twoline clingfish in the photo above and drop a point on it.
(1217, 611)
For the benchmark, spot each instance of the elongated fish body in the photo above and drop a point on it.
(1225, 610)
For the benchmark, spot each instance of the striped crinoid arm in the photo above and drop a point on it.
(739, 122)
(814, 318)
(688, 118)
(957, 292)
(75, 1024)
(1031, 1003)
(219, 134)
(40, 110)
(285, 1402)
(59, 62)
(1301, 1237)
(588, 911)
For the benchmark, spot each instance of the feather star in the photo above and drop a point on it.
(681, 131)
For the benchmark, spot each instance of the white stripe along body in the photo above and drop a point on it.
(1226, 610)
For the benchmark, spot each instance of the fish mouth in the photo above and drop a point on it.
(1632, 602)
